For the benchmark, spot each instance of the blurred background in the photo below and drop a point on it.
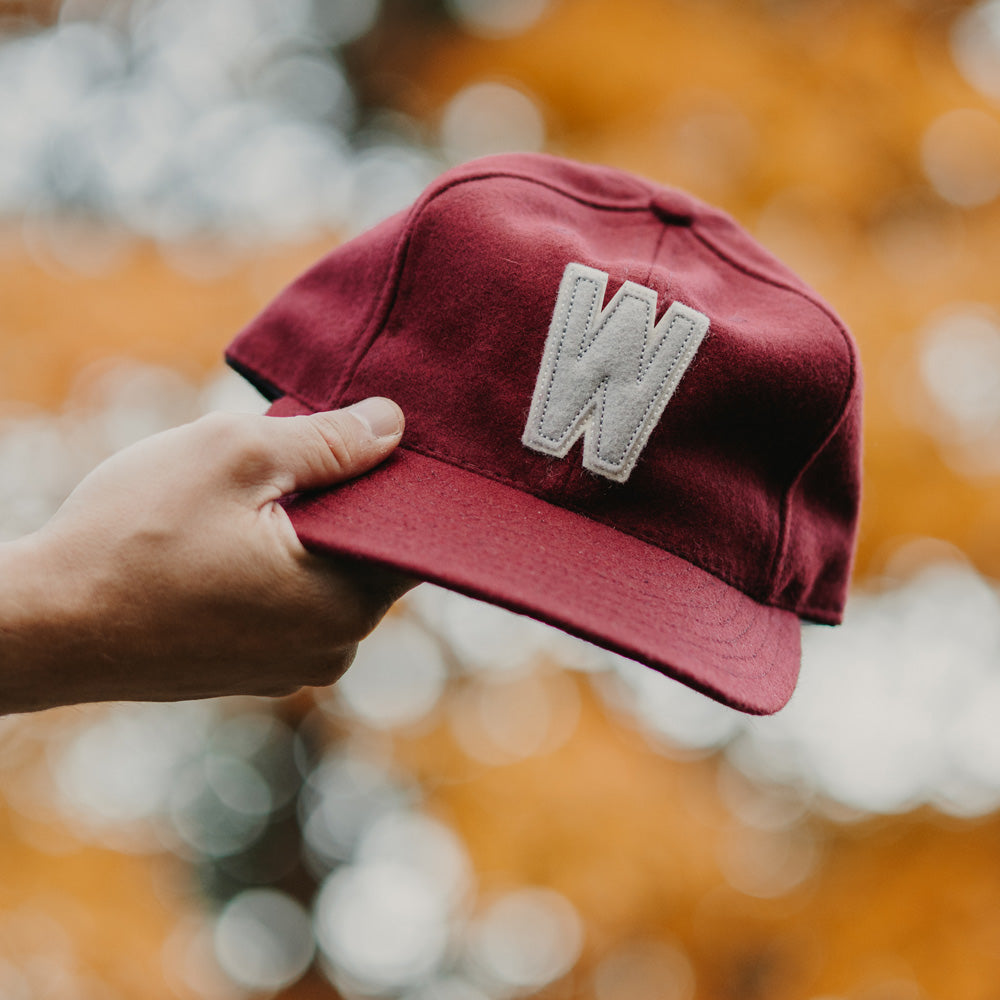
(484, 808)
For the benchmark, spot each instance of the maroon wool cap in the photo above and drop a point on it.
(624, 417)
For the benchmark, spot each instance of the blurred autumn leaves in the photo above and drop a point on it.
(860, 141)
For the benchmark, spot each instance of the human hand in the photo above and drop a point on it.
(172, 571)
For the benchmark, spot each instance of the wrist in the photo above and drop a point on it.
(42, 629)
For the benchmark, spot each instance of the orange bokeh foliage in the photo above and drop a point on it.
(805, 122)
(894, 908)
(55, 320)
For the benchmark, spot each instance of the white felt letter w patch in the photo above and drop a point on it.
(608, 374)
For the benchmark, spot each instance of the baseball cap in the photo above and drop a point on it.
(625, 418)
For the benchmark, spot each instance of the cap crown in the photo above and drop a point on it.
(751, 471)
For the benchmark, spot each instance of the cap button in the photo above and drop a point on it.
(673, 207)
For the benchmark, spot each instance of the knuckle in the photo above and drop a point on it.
(340, 445)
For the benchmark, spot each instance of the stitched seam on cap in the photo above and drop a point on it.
(780, 551)
(521, 488)
(559, 346)
(386, 299)
(655, 396)
(700, 684)
(660, 238)
(822, 614)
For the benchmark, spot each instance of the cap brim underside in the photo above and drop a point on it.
(472, 534)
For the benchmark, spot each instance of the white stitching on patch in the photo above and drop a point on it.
(611, 364)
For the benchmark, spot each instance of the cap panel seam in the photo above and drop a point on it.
(780, 551)
(660, 238)
(377, 318)
(781, 555)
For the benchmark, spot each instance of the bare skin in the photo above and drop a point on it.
(172, 571)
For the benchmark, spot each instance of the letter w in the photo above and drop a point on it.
(608, 374)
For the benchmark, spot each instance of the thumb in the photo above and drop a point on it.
(322, 449)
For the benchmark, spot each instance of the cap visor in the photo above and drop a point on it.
(469, 533)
